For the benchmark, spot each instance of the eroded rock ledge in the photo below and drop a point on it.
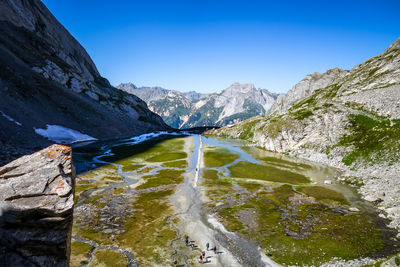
(36, 208)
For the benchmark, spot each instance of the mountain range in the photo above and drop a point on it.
(185, 110)
(49, 86)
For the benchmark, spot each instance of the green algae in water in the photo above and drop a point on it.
(176, 164)
(323, 194)
(274, 158)
(131, 167)
(163, 177)
(147, 232)
(249, 170)
(304, 233)
(167, 157)
(217, 156)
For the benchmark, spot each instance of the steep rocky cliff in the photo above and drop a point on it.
(305, 88)
(346, 119)
(36, 207)
(185, 110)
(47, 78)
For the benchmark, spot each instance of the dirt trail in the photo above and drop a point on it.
(187, 205)
(203, 228)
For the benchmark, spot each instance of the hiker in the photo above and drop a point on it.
(175, 262)
(201, 258)
(187, 240)
(215, 249)
(204, 254)
(208, 246)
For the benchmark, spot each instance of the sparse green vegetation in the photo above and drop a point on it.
(99, 172)
(249, 129)
(373, 71)
(330, 91)
(301, 114)
(90, 233)
(79, 253)
(251, 187)
(118, 191)
(375, 140)
(95, 201)
(230, 221)
(275, 127)
(147, 233)
(217, 188)
(397, 261)
(353, 180)
(103, 257)
(79, 188)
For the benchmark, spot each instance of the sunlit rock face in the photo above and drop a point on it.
(47, 78)
(185, 110)
(36, 208)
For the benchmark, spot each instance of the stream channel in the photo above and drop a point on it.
(229, 212)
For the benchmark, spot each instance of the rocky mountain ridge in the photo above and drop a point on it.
(306, 87)
(351, 122)
(48, 79)
(191, 109)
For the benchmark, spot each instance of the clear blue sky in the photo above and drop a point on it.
(205, 45)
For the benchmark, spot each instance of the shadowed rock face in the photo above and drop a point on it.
(36, 208)
(47, 78)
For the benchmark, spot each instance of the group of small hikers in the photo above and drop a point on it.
(202, 258)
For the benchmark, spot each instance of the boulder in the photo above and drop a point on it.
(36, 208)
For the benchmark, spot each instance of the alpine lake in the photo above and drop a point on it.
(136, 202)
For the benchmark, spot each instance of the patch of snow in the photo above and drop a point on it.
(9, 118)
(61, 134)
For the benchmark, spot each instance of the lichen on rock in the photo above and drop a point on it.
(36, 208)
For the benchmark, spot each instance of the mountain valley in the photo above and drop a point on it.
(97, 175)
